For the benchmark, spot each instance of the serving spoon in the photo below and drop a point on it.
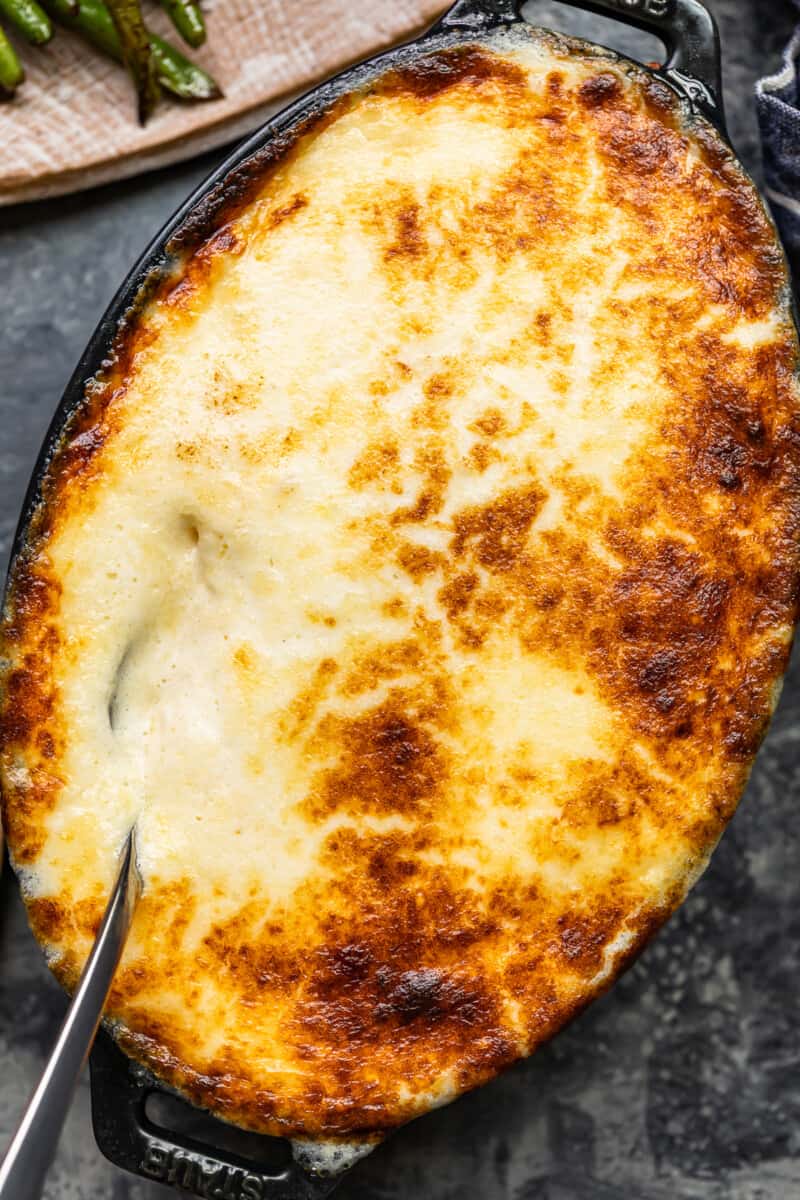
(33, 1146)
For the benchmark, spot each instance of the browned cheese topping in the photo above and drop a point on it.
(420, 577)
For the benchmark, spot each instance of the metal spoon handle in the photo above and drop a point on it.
(33, 1146)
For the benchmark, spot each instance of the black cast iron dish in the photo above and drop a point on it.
(207, 1158)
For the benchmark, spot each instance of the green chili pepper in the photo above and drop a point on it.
(175, 72)
(29, 18)
(187, 19)
(136, 53)
(11, 72)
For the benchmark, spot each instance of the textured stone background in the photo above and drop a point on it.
(684, 1082)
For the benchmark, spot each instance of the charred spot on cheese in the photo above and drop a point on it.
(429, 628)
(467, 67)
(389, 763)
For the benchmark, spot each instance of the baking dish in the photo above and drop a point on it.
(124, 1130)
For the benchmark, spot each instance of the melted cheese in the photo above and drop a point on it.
(417, 586)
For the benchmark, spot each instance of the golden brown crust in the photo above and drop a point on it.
(402, 972)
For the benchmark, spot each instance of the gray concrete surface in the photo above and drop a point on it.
(684, 1082)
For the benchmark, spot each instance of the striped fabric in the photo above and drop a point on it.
(778, 105)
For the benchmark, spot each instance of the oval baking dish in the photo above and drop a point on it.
(414, 556)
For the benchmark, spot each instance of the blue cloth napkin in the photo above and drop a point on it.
(778, 105)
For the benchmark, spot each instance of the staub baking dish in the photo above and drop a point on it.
(413, 557)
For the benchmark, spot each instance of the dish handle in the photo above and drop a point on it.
(190, 1163)
(686, 28)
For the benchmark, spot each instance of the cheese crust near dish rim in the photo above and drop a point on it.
(419, 578)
